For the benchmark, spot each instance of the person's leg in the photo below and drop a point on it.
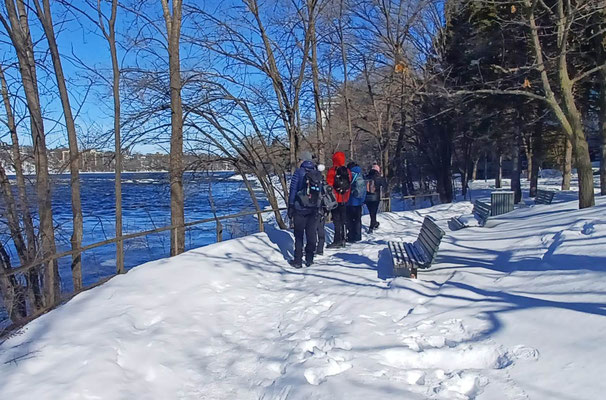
(321, 232)
(311, 230)
(373, 208)
(338, 232)
(343, 223)
(349, 215)
(299, 221)
(358, 223)
(338, 220)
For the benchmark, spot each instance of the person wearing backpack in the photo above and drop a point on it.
(329, 203)
(339, 178)
(375, 185)
(355, 203)
(304, 202)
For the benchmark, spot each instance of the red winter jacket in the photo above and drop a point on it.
(338, 160)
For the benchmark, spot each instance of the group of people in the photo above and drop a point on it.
(342, 193)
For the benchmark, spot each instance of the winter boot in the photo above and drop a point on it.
(295, 264)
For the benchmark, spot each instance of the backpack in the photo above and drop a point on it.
(372, 194)
(311, 194)
(370, 186)
(358, 187)
(329, 200)
(342, 183)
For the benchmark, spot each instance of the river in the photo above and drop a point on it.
(146, 205)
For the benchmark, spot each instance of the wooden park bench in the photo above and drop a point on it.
(408, 257)
(544, 196)
(481, 210)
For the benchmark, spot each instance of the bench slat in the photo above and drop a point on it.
(424, 260)
(427, 246)
(410, 254)
(433, 229)
(433, 232)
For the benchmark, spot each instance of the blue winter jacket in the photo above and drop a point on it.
(356, 173)
(296, 183)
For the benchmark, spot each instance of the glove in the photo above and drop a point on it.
(290, 212)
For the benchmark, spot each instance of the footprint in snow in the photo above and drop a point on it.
(463, 385)
(321, 307)
(451, 359)
(522, 352)
(318, 375)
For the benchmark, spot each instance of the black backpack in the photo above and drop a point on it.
(311, 194)
(342, 183)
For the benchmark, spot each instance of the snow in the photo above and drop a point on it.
(514, 311)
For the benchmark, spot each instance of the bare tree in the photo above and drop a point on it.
(16, 25)
(346, 100)
(30, 247)
(109, 33)
(172, 18)
(44, 15)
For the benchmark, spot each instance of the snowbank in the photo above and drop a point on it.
(514, 311)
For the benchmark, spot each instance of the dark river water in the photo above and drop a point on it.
(146, 205)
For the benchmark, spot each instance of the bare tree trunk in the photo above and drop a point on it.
(567, 113)
(33, 285)
(474, 171)
(44, 15)
(603, 132)
(341, 33)
(537, 154)
(12, 218)
(574, 128)
(444, 172)
(499, 172)
(567, 167)
(20, 176)
(249, 188)
(253, 197)
(516, 186)
(18, 29)
(117, 136)
(485, 166)
(177, 213)
(398, 159)
(110, 36)
(529, 148)
(11, 291)
(265, 182)
(316, 81)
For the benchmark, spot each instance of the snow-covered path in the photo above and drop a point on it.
(513, 311)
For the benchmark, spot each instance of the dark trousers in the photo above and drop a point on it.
(321, 232)
(305, 226)
(339, 218)
(354, 223)
(373, 207)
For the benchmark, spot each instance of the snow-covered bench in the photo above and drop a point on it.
(408, 257)
(481, 211)
(544, 196)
